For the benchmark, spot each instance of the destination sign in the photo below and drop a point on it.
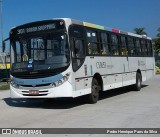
(36, 28)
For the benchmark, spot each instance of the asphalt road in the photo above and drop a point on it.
(119, 108)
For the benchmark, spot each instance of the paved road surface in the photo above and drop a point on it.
(120, 108)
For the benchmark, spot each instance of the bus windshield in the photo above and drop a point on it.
(40, 52)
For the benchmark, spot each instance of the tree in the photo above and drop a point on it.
(140, 31)
(157, 42)
(158, 35)
(157, 45)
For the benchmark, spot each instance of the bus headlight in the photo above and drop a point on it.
(14, 85)
(53, 84)
(61, 81)
(65, 78)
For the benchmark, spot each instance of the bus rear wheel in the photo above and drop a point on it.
(95, 88)
(138, 84)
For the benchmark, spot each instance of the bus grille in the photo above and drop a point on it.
(35, 95)
(41, 93)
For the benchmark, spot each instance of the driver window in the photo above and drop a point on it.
(78, 49)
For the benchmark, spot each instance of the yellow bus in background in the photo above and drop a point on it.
(4, 67)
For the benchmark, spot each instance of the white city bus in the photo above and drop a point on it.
(68, 58)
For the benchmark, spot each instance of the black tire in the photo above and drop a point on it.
(95, 88)
(138, 85)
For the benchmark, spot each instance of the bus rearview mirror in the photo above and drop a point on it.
(3, 46)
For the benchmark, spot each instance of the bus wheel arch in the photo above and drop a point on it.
(96, 87)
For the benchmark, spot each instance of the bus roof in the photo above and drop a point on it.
(91, 25)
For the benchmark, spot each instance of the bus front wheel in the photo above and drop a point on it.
(95, 88)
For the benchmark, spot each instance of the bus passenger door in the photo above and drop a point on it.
(78, 58)
(78, 55)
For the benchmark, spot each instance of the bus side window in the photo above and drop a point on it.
(138, 47)
(124, 50)
(105, 44)
(131, 47)
(93, 46)
(149, 47)
(143, 48)
(114, 45)
(146, 48)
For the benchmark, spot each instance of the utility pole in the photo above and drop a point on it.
(1, 22)
(2, 56)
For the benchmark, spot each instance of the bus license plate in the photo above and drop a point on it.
(33, 92)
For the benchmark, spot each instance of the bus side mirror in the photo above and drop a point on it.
(3, 46)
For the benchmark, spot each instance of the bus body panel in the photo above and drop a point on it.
(116, 74)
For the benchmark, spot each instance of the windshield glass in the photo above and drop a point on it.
(45, 52)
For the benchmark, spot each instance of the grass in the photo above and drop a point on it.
(157, 70)
(4, 86)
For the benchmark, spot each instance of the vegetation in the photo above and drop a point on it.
(157, 70)
(4, 86)
(140, 31)
(156, 42)
(157, 45)
(158, 35)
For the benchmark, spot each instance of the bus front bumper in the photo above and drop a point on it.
(65, 90)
